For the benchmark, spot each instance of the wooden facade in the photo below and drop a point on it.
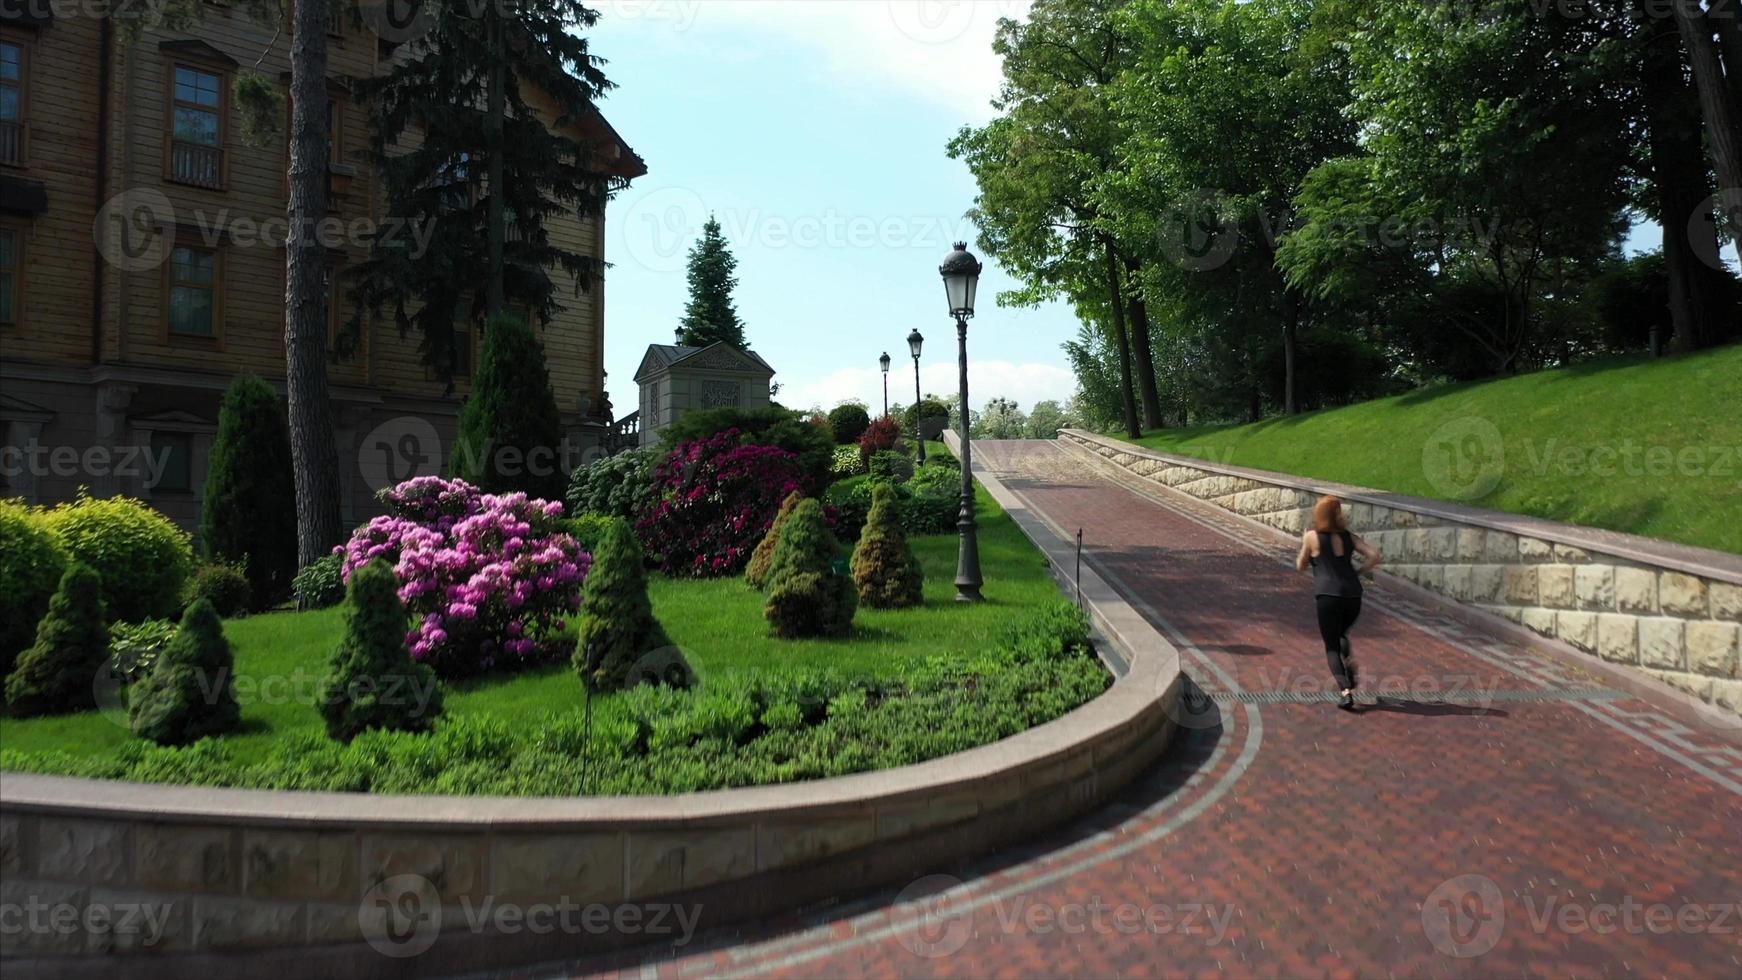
(142, 267)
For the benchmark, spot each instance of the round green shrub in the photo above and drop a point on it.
(847, 462)
(135, 647)
(588, 529)
(892, 466)
(618, 636)
(249, 512)
(616, 486)
(321, 583)
(851, 499)
(372, 682)
(225, 586)
(887, 574)
(31, 564)
(848, 422)
(808, 592)
(142, 558)
(190, 692)
(932, 415)
(762, 559)
(58, 673)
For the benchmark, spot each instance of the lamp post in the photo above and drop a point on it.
(884, 361)
(961, 272)
(914, 341)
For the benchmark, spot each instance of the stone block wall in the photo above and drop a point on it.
(1682, 628)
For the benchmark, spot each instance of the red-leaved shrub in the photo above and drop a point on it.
(716, 500)
(883, 434)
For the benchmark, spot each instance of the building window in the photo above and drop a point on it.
(174, 452)
(11, 276)
(12, 103)
(196, 154)
(193, 292)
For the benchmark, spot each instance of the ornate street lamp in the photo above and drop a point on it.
(961, 272)
(914, 342)
(884, 361)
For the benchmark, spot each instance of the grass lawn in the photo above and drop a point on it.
(280, 657)
(1629, 444)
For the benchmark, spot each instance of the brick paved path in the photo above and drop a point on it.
(1497, 815)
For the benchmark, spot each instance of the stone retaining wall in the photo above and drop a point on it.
(1670, 611)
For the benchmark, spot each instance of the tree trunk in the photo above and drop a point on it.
(1679, 177)
(1143, 352)
(314, 461)
(494, 99)
(1116, 302)
(1290, 329)
(1723, 18)
(1723, 116)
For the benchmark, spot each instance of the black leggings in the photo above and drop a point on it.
(1336, 615)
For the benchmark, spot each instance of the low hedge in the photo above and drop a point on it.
(746, 730)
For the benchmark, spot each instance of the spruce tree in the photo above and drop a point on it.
(762, 559)
(808, 594)
(510, 431)
(618, 639)
(190, 692)
(490, 91)
(249, 513)
(372, 682)
(884, 568)
(57, 674)
(711, 316)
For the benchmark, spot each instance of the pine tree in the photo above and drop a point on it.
(483, 184)
(619, 642)
(57, 674)
(711, 316)
(510, 430)
(372, 681)
(762, 559)
(249, 515)
(808, 595)
(191, 690)
(884, 568)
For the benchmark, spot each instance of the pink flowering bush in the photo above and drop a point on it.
(716, 500)
(489, 579)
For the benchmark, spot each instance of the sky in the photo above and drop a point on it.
(815, 132)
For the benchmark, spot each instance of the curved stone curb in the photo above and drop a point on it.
(1666, 613)
(281, 878)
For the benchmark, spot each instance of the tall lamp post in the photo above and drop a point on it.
(914, 342)
(884, 361)
(961, 272)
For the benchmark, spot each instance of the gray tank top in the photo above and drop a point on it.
(1334, 574)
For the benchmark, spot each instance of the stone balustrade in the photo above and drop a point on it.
(1672, 612)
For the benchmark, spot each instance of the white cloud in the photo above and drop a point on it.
(1025, 383)
(938, 50)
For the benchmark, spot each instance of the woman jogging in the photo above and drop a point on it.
(1330, 549)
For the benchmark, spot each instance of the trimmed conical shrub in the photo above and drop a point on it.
(510, 429)
(191, 690)
(809, 593)
(56, 675)
(884, 568)
(372, 682)
(618, 635)
(762, 559)
(249, 515)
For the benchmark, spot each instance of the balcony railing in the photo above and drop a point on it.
(12, 143)
(196, 164)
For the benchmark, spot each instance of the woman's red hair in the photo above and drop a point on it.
(1328, 514)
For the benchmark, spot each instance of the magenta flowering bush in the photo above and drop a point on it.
(716, 500)
(489, 579)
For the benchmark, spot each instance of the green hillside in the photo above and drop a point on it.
(1648, 447)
